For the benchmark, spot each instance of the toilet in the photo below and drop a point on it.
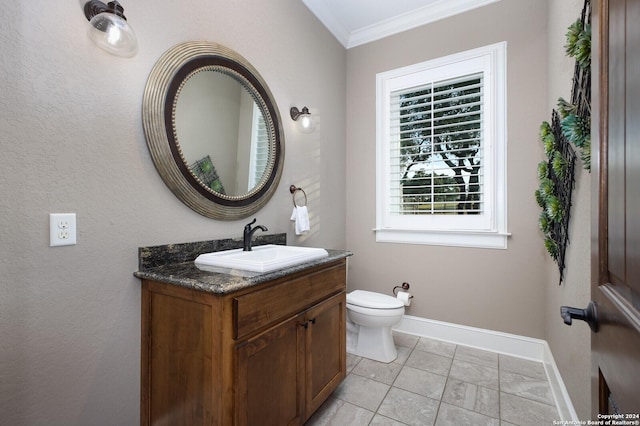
(370, 318)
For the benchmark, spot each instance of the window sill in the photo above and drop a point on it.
(473, 239)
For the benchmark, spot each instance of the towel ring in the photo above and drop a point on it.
(293, 189)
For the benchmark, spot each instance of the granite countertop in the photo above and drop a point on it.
(173, 264)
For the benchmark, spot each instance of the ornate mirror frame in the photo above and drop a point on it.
(164, 84)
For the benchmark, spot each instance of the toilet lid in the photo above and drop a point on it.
(370, 299)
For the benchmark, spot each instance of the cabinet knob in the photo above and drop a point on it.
(306, 323)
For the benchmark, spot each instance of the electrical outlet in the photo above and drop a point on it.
(62, 229)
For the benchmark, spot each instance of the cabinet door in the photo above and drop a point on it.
(325, 349)
(176, 361)
(269, 373)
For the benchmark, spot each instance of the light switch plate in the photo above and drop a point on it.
(62, 229)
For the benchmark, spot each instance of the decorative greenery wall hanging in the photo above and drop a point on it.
(554, 194)
(570, 123)
(576, 116)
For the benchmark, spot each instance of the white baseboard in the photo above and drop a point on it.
(495, 341)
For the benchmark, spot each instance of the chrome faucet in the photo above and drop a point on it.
(248, 234)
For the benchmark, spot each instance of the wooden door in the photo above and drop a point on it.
(270, 376)
(326, 350)
(616, 207)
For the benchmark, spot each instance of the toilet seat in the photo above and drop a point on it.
(372, 300)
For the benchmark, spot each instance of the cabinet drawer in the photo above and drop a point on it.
(260, 308)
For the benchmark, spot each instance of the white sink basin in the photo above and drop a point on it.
(260, 259)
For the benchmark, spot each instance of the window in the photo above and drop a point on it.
(259, 148)
(441, 151)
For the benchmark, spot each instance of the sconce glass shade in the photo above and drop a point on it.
(110, 31)
(303, 119)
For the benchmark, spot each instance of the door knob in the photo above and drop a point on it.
(588, 314)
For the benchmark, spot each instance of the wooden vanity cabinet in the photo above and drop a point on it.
(266, 355)
(287, 372)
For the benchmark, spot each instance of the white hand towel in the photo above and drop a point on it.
(300, 216)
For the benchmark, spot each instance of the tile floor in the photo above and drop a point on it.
(438, 383)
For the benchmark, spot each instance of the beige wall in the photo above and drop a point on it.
(494, 289)
(516, 290)
(570, 345)
(72, 141)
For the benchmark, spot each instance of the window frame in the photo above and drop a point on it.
(258, 142)
(488, 230)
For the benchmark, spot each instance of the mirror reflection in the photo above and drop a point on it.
(221, 132)
(213, 130)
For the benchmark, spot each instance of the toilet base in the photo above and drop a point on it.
(375, 343)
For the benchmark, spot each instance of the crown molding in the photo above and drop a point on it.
(439, 10)
(329, 20)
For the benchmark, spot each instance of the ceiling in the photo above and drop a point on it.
(356, 22)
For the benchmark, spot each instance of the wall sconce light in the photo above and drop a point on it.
(108, 28)
(303, 119)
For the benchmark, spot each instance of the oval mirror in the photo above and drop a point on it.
(213, 130)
